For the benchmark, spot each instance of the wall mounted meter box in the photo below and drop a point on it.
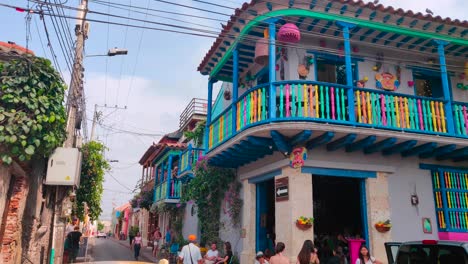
(64, 167)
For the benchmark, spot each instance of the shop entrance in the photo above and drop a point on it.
(337, 212)
(265, 215)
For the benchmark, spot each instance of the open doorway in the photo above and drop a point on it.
(265, 216)
(337, 212)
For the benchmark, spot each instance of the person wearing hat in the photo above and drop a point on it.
(260, 258)
(190, 254)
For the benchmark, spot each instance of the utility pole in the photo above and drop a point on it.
(97, 116)
(75, 91)
(74, 114)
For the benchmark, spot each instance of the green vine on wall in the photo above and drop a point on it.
(32, 113)
(207, 191)
(93, 168)
(197, 134)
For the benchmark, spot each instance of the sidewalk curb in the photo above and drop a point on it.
(143, 254)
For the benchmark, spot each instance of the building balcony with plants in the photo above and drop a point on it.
(337, 74)
(167, 187)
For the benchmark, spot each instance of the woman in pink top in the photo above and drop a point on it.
(137, 245)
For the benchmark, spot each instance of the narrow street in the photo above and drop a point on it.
(110, 250)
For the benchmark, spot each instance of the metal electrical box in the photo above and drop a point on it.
(64, 167)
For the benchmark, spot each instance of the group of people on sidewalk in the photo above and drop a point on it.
(309, 255)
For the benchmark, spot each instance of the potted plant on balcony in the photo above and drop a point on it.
(304, 223)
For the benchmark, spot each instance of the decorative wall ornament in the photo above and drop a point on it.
(298, 157)
(362, 83)
(289, 33)
(387, 81)
(379, 61)
(227, 94)
(410, 83)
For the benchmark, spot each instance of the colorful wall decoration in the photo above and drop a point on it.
(298, 157)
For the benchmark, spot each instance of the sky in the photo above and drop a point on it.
(155, 81)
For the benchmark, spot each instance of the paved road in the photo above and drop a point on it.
(110, 250)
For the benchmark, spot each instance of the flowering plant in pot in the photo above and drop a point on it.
(383, 226)
(304, 222)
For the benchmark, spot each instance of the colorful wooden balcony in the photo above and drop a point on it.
(188, 159)
(311, 101)
(168, 191)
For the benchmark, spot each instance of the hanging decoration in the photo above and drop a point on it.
(410, 84)
(261, 49)
(362, 83)
(289, 33)
(379, 61)
(227, 94)
(303, 68)
(298, 157)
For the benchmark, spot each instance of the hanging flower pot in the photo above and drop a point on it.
(303, 71)
(304, 223)
(289, 33)
(303, 226)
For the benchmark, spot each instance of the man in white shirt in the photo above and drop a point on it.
(212, 254)
(190, 254)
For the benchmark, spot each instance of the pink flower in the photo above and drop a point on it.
(410, 83)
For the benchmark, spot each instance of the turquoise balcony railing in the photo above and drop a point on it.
(161, 190)
(189, 158)
(325, 102)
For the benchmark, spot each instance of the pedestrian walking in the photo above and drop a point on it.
(190, 254)
(156, 240)
(73, 242)
(137, 245)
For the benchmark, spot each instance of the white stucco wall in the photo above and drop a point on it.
(190, 223)
(229, 232)
(404, 179)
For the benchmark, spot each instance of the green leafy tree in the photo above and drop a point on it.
(32, 113)
(100, 226)
(197, 134)
(93, 168)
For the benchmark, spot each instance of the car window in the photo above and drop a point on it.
(431, 254)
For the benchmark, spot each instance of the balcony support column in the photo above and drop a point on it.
(272, 66)
(208, 114)
(155, 183)
(169, 175)
(349, 68)
(235, 87)
(445, 86)
(189, 157)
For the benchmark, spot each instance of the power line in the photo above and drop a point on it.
(112, 176)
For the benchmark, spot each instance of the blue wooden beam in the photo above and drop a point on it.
(400, 20)
(461, 158)
(312, 25)
(439, 28)
(463, 33)
(426, 26)
(438, 152)
(416, 42)
(379, 36)
(320, 140)
(358, 12)
(256, 34)
(252, 12)
(386, 143)
(403, 41)
(372, 15)
(291, 3)
(419, 149)
(300, 138)
(326, 27)
(413, 23)
(269, 6)
(281, 142)
(454, 154)
(363, 143)
(391, 38)
(329, 6)
(260, 141)
(386, 18)
(400, 147)
(342, 142)
(313, 3)
(366, 34)
(343, 9)
(299, 21)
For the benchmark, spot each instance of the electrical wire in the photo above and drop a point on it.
(112, 176)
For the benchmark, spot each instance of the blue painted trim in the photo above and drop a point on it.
(444, 200)
(272, 68)
(440, 151)
(419, 149)
(169, 176)
(400, 147)
(445, 85)
(280, 142)
(455, 154)
(235, 88)
(266, 176)
(365, 221)
(155, 183)
(320, 140)
(342, 142)
(363, 143)
(349, 69)
(300, 138)
(257, 216)
(426, 166)
(208, 115)
(386, 143)
(339, 172)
